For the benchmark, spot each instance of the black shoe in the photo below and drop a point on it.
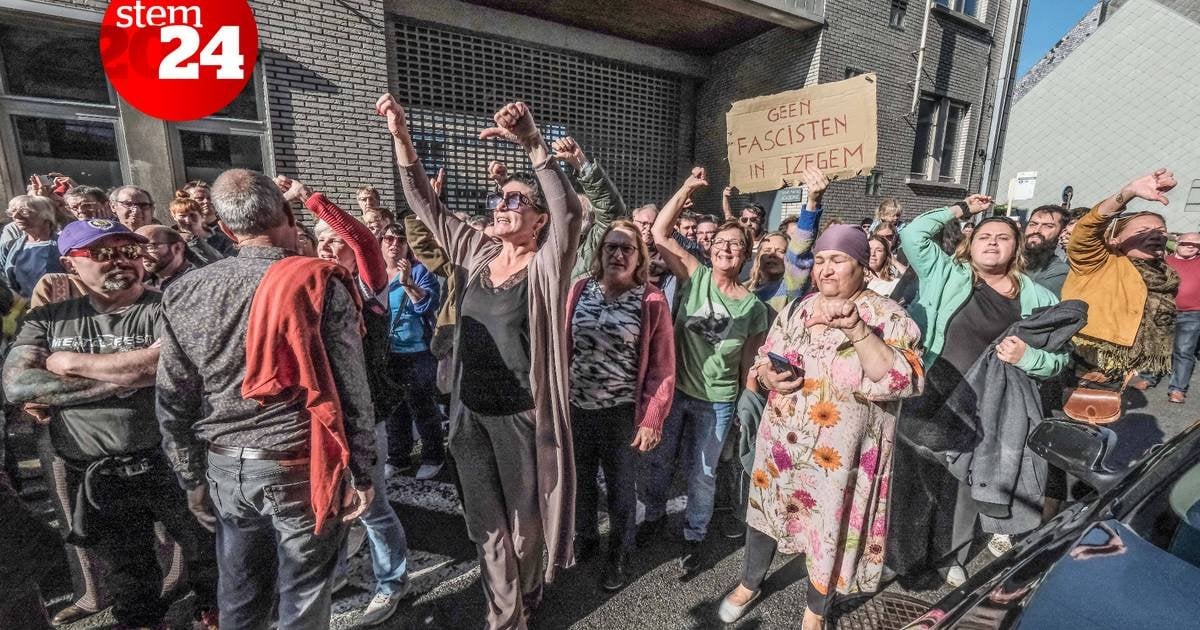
(614, 574)
(651, 531)
(690, 560)
(586, 548)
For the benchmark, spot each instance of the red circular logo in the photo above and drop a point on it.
(179, 61)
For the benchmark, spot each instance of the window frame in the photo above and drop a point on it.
(898, 8)
(260, 128)
(59, 109)
(956, 6)
(932, 167)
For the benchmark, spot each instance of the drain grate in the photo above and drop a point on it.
(875, 611)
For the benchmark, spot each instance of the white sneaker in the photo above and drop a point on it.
(383, 606)
(955, 576)
(1000, 544)
(729, 613)
(428, 471)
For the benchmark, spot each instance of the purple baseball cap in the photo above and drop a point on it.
(79, 234)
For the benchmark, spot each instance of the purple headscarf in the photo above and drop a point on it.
(848, 239)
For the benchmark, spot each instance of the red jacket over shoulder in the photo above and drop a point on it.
(286, 360)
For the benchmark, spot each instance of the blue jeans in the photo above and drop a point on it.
(385, 534)
(1183, 360)
(695, 430)
(266, 544)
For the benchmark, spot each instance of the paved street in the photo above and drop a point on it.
(447, 592)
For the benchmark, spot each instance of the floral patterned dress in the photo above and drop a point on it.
(824, 454)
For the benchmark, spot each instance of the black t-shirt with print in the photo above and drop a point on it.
(115, 425)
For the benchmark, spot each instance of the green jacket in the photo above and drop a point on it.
(607, 206)
(945, 285)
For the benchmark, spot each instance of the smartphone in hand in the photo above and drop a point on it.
(780, 364)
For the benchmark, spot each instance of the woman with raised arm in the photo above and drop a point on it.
(509, 428)
(784, 259)
(967, 301)
(718, 328)
(1118, 268)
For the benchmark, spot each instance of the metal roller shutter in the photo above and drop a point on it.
(451, 83)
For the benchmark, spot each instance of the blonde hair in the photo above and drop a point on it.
(962, 254)
(888, 205)
(756, 280)
(641, 273)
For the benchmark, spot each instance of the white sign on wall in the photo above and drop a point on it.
(1024, 185)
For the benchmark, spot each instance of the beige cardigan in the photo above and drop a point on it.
(549, 275)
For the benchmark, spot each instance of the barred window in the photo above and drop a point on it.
(451, 83)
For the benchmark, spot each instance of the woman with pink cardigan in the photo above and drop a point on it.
(622, 354)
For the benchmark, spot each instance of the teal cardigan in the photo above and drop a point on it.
(946, 286)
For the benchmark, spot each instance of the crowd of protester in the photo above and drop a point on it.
(219, 392)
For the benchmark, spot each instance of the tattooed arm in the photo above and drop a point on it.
(26, 380)
(136, 368)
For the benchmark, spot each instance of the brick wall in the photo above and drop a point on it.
(957, 54)
(776, 61)
(325, 64)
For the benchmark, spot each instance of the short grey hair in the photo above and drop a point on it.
(137, 189)
(248, 202)
(41, 206)
(83, 190)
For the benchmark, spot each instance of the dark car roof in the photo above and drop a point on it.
(1131, 584)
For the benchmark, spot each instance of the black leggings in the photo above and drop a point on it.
(760, 551)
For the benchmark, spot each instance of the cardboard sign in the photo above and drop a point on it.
(772, 139)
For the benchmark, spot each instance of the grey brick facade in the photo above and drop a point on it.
(325, 62)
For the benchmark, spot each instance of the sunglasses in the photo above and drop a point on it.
(513, 200)
(106, 254)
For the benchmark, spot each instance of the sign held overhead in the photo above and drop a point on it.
(773, 139)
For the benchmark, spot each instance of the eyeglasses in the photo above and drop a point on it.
(734, 246)
(612, 248)
(106, 254)
(391, 238)
(84, 205)
(512, 200)
(141, 205)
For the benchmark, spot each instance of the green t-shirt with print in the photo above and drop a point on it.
(710, 331)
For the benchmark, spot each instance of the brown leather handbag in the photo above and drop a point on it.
(1094, 406)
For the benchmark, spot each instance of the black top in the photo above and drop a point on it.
(116, 425)
(494, 348)
(980, 322)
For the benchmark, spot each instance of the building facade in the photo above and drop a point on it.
(1116, 99)
(642, 84)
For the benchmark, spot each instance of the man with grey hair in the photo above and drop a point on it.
(246, 462)
(132, 205)
(88, 202)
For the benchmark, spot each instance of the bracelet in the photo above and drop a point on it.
(865, 335)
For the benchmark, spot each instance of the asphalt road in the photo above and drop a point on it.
(447, 593)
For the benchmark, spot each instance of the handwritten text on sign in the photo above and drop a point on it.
(773, 139)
